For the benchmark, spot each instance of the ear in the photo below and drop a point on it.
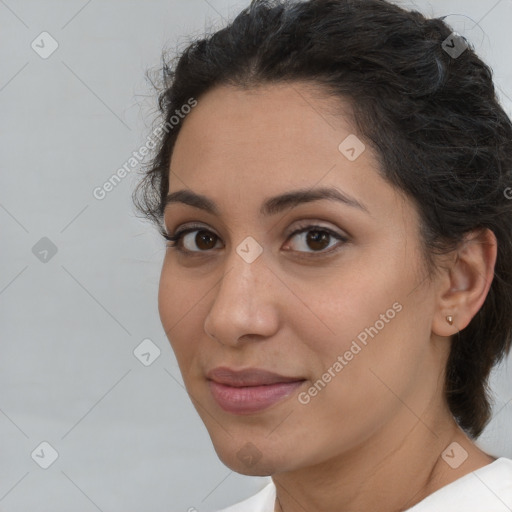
(465, 281)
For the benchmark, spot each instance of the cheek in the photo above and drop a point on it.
(178, 306)
(349, 394)
(345, 307)
(178, 296)
(363, 323)
(375, 355)
(166, 299)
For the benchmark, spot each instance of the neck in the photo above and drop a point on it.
(391, 471)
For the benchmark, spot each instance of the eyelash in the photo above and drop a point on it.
(174, 241)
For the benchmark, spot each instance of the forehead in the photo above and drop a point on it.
(262, 125)
(241, 145)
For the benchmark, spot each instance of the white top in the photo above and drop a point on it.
(487, 489)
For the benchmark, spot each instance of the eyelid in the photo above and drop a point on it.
(299, 227)
(312, 223)
(192, 225)
(341, 239)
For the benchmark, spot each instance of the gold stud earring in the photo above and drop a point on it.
(449, 319)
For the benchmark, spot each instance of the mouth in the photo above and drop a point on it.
(249, 391)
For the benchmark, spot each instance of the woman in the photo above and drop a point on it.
(337, 285)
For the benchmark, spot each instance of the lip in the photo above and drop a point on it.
(247, 377)
(251, 390)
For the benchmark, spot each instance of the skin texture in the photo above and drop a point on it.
(373, 436)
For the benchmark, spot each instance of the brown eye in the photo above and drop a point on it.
(313, 239)
(316, 239)
(205, 240)
(184, 240)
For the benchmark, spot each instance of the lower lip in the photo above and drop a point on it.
(247, 400)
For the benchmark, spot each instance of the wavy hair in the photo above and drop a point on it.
(433, 120)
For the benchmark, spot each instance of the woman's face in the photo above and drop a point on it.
(330, 293)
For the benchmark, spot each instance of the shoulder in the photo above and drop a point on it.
(262, 501)
(488, 488)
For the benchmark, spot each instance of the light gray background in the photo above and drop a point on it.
(127, 437)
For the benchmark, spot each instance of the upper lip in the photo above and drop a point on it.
(247, 377)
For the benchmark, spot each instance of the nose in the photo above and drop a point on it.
(244, 306)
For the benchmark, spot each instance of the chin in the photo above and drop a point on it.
(260, 468)
(247, 460)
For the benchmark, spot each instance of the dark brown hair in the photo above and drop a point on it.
(432, 118)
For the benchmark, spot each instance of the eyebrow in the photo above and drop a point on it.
(271, 206)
